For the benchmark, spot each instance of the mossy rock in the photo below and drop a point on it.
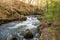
(28, 34)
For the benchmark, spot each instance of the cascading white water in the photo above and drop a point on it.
(30, 23)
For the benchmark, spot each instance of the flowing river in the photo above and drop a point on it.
(17, 28)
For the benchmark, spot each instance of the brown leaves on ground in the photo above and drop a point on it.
(11, 9)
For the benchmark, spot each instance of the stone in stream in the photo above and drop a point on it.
(13, 37)
(28, 34)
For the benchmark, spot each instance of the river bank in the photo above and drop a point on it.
(49, 28)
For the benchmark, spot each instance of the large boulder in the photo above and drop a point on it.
(28, 34)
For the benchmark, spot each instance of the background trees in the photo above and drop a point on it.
(53, 10)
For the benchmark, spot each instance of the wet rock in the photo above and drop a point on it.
(28, 34)
(13, 37)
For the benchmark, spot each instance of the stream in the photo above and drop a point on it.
(17, 28)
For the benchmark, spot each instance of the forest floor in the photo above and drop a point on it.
(50, 29)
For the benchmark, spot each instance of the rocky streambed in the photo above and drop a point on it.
(20, 30)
